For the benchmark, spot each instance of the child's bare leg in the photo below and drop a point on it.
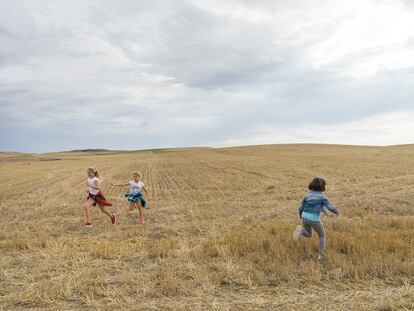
(105, 211)
(140, 209)
(88, 207)
(131, 206)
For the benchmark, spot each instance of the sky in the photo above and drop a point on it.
(137, 74)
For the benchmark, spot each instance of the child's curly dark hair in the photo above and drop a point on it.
(317, 184)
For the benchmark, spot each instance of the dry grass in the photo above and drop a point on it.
(217, 235)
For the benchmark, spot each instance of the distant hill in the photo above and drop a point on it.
(91, 150)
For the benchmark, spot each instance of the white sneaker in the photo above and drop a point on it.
(297, 233)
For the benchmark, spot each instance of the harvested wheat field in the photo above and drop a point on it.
(217, 234)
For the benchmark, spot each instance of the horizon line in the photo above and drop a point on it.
(209, 147)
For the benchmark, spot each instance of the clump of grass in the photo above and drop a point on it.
(161, 248)
(211, 248)
(247, 219)
(169, 286)
(386, 305)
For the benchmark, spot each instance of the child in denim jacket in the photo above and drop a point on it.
(314, 203)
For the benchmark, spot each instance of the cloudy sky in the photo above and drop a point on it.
(137, 74)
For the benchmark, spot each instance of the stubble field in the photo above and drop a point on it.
(217, 234)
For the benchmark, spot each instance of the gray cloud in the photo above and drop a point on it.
(138, 74)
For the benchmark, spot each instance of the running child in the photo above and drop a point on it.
(314, 203)
(95, 196)
(134, 196)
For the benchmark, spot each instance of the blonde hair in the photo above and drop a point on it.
(136, 173)
(94, 171)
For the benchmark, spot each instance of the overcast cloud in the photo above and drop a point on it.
(141, 74)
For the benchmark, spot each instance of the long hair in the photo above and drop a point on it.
(94, 171)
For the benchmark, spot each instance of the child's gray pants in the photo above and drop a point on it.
(318, 227)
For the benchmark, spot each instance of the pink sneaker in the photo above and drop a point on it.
(87, 224)
(141, 221)
(113, 218)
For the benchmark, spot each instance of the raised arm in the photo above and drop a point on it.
(119, 184)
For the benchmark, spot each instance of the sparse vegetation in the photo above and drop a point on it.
(218, 233)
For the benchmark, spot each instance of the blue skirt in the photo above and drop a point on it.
(135, 197)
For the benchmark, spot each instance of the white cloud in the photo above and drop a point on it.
(372, 40)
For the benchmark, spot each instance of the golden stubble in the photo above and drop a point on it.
(217, 233)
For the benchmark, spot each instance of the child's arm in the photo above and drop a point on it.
(120, 184)
(301, 207)
(95, 185)
(146, 193)
(329, 206)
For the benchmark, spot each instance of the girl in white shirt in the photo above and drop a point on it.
(95, 196)
(134, 196)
